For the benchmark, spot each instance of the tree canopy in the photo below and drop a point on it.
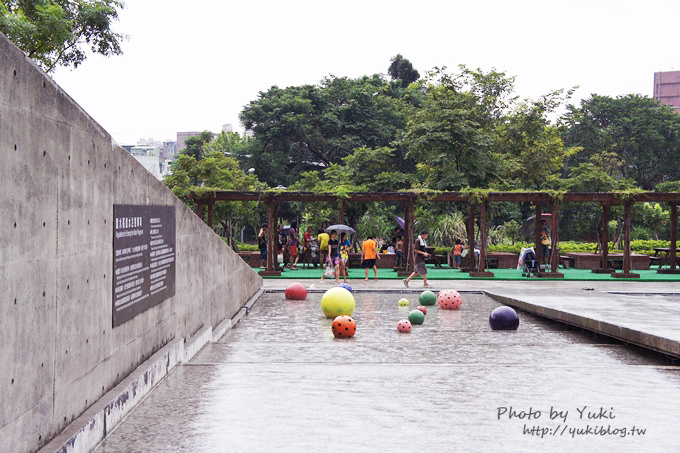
(58, 32)
(402, 69)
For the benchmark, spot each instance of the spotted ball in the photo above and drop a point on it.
(404, 326)
(344, 327)
(403, 302)
(346, 286)
(421, 308)
(449, 299)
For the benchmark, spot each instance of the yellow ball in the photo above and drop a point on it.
(403, 302)
(337, 302)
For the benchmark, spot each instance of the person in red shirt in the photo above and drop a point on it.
(369, 255)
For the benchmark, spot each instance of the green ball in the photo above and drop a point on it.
(336, 302)
(416, 317)
(427, 298)
(403, 302)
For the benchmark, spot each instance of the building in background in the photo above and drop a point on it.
(181, 138)
(667, 88)
(227, 128)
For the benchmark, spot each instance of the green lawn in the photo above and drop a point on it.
(447, 273)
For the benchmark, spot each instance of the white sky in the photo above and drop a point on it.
(193, 65)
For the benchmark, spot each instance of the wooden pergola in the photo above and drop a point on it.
(475, 200)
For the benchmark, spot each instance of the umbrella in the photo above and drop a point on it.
(340, 228)
(529, 226)
(400, 221)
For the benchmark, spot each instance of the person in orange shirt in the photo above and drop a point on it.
(369, 255)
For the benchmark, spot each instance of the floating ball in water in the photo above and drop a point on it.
(449, 299)
(504, 318)
(344, 327)
(296, 291)
(421, 308)
(416, 317)
(346, 286)
(337, 301)
(427, 298)
(404, 326)
(403, 302)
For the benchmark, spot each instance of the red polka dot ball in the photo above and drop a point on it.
(449, 299)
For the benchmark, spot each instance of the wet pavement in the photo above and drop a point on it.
(279, 381)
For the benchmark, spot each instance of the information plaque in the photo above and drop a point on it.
(143, 259)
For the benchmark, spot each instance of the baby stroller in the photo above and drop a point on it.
(528, 263)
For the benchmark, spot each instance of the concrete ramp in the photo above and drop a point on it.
(61, 176)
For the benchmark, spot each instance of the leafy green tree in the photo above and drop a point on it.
(197, 145)
(644, 134)
(452, 135)
(402, 69)
(215, 171)
(57, 32)
(310, 127)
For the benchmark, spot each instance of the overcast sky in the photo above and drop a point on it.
(194, 65)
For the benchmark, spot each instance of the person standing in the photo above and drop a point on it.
(293, 245)
(457, 253)
(421, 254)
(283, 240)
(323, 238)
(262, 244)
(343, 252)
(399, 250)
(333, 258)
(545, 243)
(306, 252)
(369, 255)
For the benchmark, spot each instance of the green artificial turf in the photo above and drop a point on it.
(447, 273)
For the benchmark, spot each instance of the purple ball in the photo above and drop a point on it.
(504, 318)
(346, 286)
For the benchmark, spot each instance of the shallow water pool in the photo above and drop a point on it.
(280, 381)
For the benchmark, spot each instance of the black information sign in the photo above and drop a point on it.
(143, 259)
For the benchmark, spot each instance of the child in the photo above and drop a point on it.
(457, 253)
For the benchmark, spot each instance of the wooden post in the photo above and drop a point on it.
(470, 265)
(672, 253)
(198, 210)
(272, 242)
(604, 239)
(482, 244)
(537, 234)
(341, 212)
(626, 247)
(409, 221)
(210, 213)
(554, 245)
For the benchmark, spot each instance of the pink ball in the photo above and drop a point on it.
(296, 291)
(421, 308)
(449, 299)
(404, 326)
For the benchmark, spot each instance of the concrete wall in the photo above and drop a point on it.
(60, 177)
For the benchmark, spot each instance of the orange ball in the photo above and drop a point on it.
(344, 327)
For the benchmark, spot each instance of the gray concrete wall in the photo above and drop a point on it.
(60, 177)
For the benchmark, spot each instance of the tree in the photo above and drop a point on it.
(215, 171)
(452, 135)
(197, 145)
(402, 69)
(310, 127)
(643, 133)
(56, 32)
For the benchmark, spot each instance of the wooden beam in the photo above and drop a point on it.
(272, 240)
(554, 245)
(409, 227)
(470, 260)
(537, 233)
